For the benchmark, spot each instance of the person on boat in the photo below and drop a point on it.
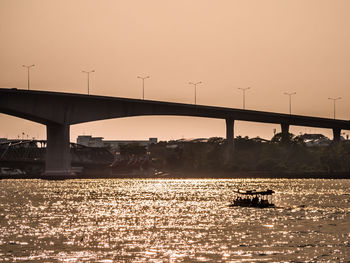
(255, 201)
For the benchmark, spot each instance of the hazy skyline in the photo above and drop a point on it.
(271, 46)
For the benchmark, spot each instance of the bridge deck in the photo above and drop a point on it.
(56, 107)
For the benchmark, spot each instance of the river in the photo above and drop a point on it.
(151, 220)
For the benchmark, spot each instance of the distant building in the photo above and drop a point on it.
(90, 141)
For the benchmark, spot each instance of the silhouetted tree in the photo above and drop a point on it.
(251, 155)
(132, 149)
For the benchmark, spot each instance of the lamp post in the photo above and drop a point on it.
(334, 100)
(143, 85)
(88, 79)
(28, 68)
(244, 89)
(195, 90)
(290, 100)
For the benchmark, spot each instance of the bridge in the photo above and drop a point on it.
(59, 110)
(29, 155)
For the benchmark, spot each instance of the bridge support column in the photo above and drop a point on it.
(58, 158)
(336, 134)
(285, 132)
(229, 139)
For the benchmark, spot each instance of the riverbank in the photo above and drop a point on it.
(191, 175)
(259, 174)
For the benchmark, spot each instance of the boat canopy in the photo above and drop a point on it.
(253, 192)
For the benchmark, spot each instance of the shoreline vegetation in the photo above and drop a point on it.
(302, 156)
(193, 175)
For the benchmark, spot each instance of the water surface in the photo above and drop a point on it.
(135, 220)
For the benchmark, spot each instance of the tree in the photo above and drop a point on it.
(132, 149)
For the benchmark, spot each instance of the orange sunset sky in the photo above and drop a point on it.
(272, 46)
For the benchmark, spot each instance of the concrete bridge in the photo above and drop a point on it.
(60, 110)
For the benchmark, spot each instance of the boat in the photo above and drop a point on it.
(253, 198)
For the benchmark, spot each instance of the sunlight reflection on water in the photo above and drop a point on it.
(134, 220)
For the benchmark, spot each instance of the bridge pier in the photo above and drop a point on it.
(58, 158)
(229, 139)
(336, 134)
(285, 132)
(229, 130)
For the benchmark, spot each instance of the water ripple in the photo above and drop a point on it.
(172, 221)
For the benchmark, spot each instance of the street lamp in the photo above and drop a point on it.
(28, 67)
(195, 90)
(88, 79)
(143, 85)
(334, 100)
(244, 89)
(290, 100)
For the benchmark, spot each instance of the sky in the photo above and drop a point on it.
(271, 46)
